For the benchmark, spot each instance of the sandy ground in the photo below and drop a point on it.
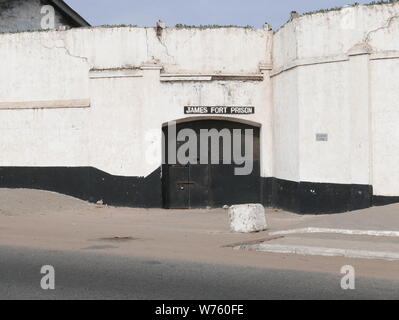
(44, 220)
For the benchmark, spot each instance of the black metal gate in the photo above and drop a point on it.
(210, 185)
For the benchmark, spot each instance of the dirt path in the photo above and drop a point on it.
(38, 219)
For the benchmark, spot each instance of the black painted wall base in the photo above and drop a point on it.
(92, 185)
(88, 184)
(383, 201)
(319, 198)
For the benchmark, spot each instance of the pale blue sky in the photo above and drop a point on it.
(197, 12)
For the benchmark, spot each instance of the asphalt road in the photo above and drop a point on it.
(84, 275)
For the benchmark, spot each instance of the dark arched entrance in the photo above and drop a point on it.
(201, 185)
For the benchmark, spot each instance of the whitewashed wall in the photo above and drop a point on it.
(112, 97)
(342, 70)
(106, 94)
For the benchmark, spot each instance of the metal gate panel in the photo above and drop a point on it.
(178, 187)
(211, 185)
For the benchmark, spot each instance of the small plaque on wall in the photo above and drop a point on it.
(323, 137)
(243, 110)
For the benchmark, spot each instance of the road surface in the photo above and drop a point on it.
(85, 275)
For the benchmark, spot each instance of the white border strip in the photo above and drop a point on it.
(51, 104)
(174, 77)
(308, 62)
(384, 55)
(320, 251)
(329, 59)
(338, 231)
(115, 73)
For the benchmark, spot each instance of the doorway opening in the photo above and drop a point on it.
(200, 184)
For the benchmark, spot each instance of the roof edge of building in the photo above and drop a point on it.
(71, 13)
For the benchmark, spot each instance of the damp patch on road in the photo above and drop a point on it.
(116, 239)
(99, 248)
(254, 242)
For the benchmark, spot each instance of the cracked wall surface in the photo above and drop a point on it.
(113, 69)
(332, 74)
(335, 32)
(336, 73)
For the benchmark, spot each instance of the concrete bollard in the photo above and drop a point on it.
(247, 218)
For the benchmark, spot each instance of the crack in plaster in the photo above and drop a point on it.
(165, 46)
(64, 47)
(146, 42)
(367, 37)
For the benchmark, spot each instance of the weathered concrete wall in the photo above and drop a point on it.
(323, 86)
(286, 126)
(191, 50)
(325, 109)
(117, 72)
(24, 15)
(342, 66)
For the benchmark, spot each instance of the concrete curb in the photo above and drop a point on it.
(338, 231)
(320, 251)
